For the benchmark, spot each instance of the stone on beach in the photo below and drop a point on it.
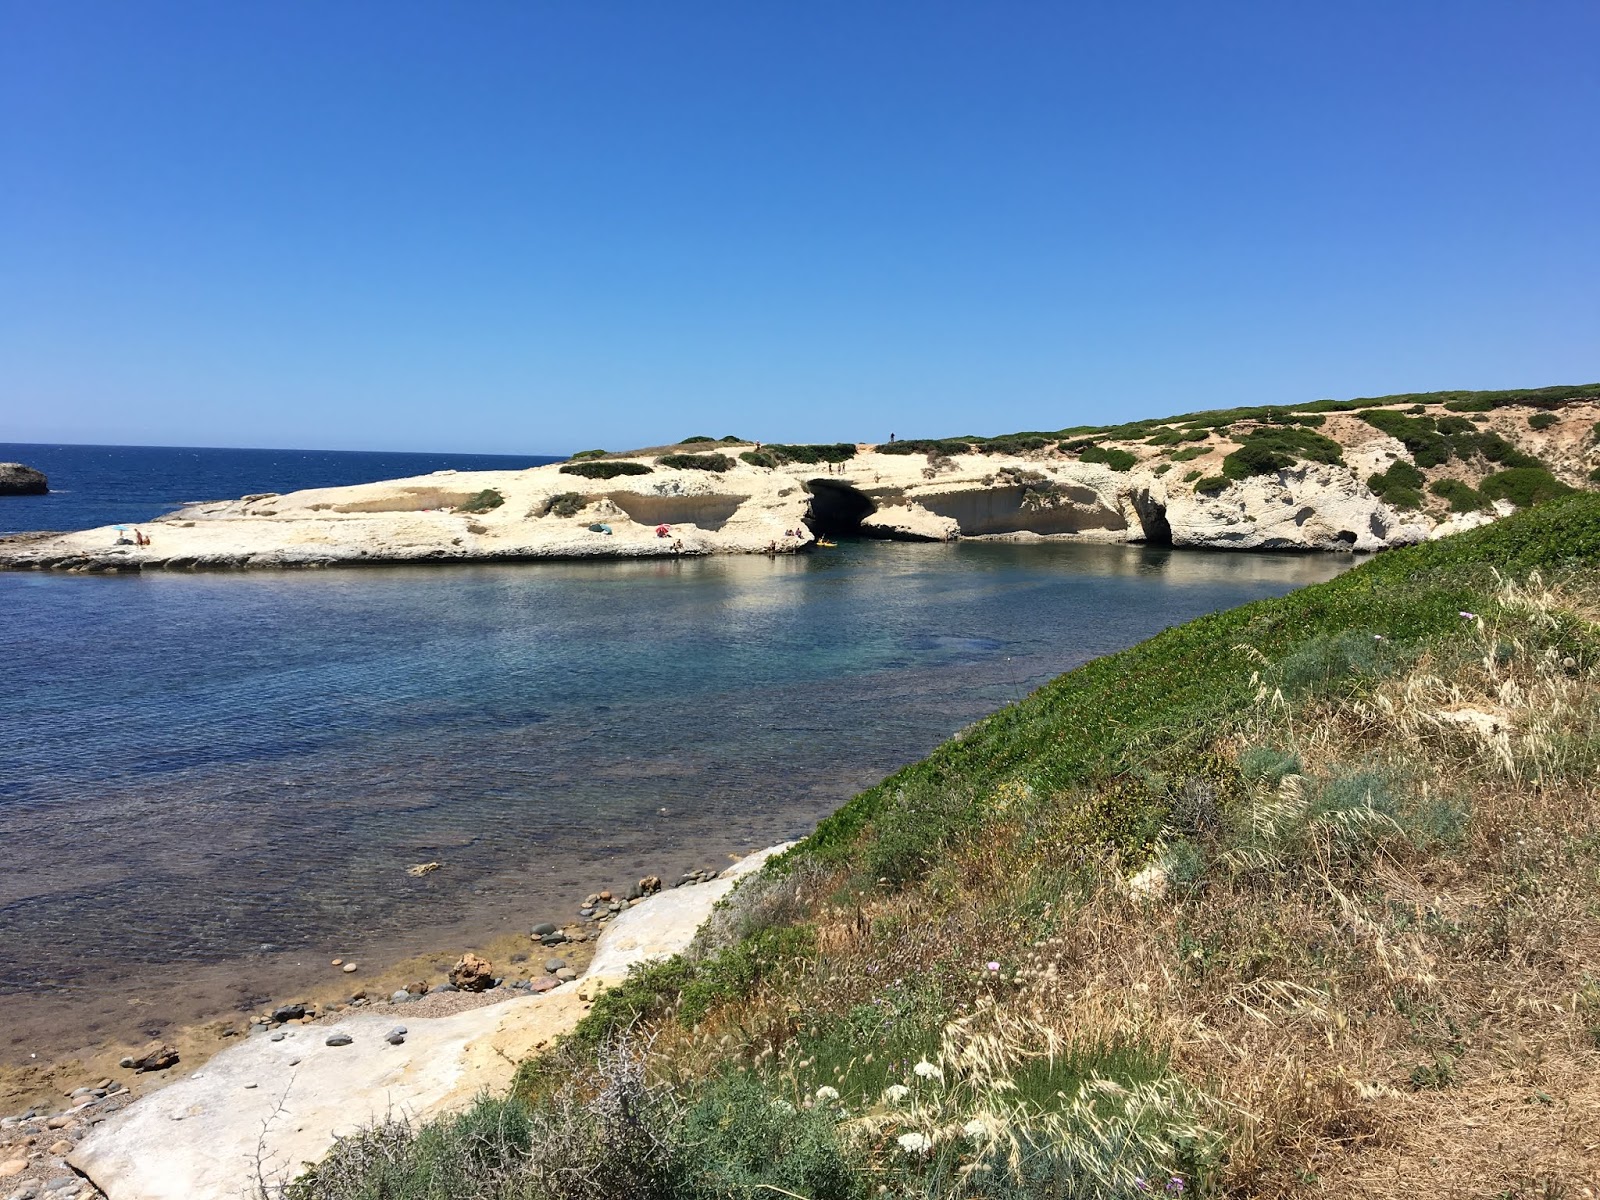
(157, 1056)
(472, 973)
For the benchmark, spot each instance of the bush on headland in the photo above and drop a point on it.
(717, 462)
(484, 501)
(1255, 901)
(606, 469)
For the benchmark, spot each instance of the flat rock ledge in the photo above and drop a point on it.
(542, 513)
(262, 1110)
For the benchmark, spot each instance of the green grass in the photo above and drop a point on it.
(1127, 712)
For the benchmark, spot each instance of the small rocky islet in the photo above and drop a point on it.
(18, 479)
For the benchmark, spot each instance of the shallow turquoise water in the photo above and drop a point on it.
(196, 765)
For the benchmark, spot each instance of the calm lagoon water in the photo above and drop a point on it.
(197, 766)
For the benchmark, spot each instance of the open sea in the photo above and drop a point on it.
(210, 784)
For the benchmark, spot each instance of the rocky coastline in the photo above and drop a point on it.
(40, 1157)
(1339, 481)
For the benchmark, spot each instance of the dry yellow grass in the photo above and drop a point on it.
(1422, 1016)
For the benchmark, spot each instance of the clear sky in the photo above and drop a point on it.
(538, 227)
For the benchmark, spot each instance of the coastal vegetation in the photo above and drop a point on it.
(717, 462)
(565, 504)
(1299, 896)
(604, 469)
(483, 502)
(777, 454)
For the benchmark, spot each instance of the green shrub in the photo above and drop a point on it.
(648, 990)
(1497, 450)
(1212, 484)
(1018, 443)
(760, 458)
(1173, 437)
(1419, 435)
(699, 437)
(1329, 664)
(483, 502)
(565, 504)
(832, 452)
(1267, 765)
(1267, 450)
(735, 972)
(609, 469)
(735, 1139)
(1163, 468)
(1399, 486)
(1462, 497)
(1117, 460)
(926, 446)
(1188, 453)
(1191, 476)
(1523, 486)
(587, 454)
(717, 462)
(1077, 445)
(1542, 420)
(733, 441)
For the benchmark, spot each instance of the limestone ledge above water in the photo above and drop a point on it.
(745, 510)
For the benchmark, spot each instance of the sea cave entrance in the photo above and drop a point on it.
(837, 509)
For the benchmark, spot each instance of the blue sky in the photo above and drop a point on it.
(537, 227)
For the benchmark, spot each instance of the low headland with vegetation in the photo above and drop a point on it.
(1301, 898)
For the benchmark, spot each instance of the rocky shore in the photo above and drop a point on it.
(1267, 479)
(71, 1149)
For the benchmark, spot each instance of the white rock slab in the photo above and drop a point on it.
(213, 1136)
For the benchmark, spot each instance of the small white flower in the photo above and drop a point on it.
(915, 1143)
(782, 1106)
(926, 1070)
(827, 1093)
(896, 1092)
(974, 1128)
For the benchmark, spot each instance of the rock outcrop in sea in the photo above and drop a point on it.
(17, 479)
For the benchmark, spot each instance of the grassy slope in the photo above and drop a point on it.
(1391, 930)
(1118, 711)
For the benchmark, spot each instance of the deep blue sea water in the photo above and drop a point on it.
(91, 486)
(194, 766)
